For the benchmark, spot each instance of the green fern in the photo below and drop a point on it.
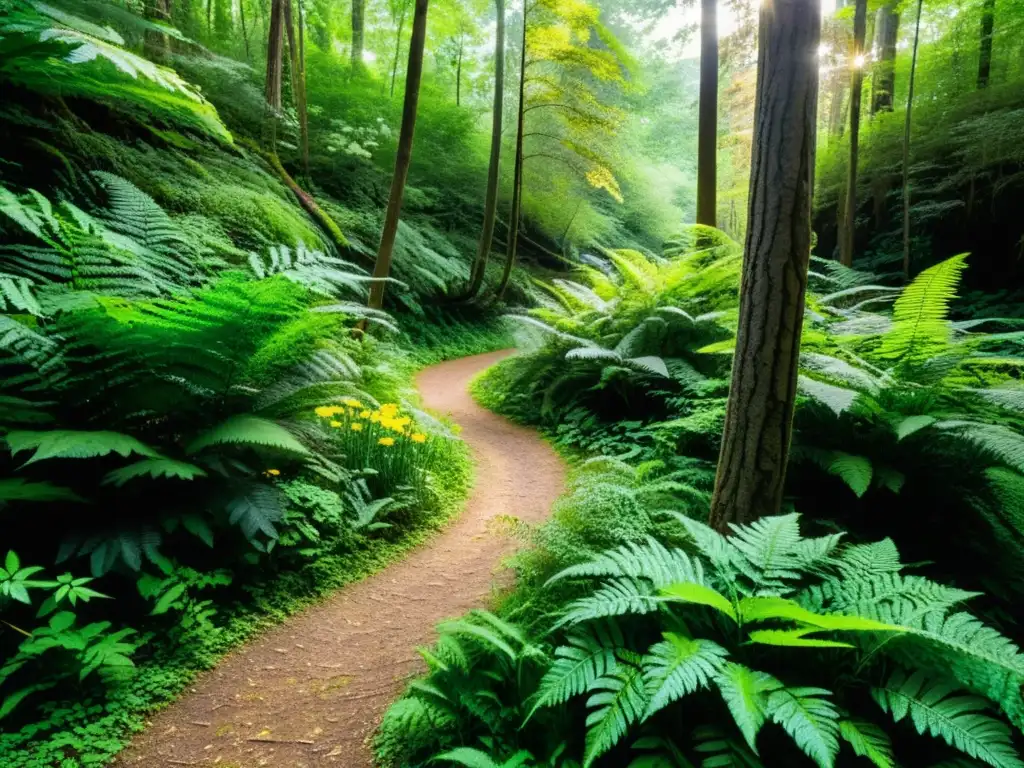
(810, 719)
(745, 692)
(154, 468)
(956, 719)
(920, 316)
(868, 740)
(70, 444)
(679, 666)
(246, 429)
(617, 701)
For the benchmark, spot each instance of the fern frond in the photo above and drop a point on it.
(868, 740)
(245, 429)
(956, 719)
(650, 561)
(255, 510)
(619, 702)
(679, 666)
(155, 468)
(920, 315)
(589, 655)
(745, 692)
(71, 444)
(811, 720)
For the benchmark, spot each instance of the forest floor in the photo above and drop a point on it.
(312, 691)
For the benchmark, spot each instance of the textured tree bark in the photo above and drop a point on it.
(517, 176)
(906, 144)
(483, 251)
(848, 218)
(358, 12)
(414, 73)
(707, 131)
(759, 417)
(275, 47)
(887, 25)
(988, 23)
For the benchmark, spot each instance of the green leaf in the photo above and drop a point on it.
(679, 666)
(811, 720)
(198, 527)
(745, 692)
(469, 757)
(589, 655)
(868, 740)
(155, 468)
(769, 608)
(70, 444)
(11, 563)
(855, 471)
(912, 424)
(60, 622)
(700, 595)
(167, 599)
(19, 489)
(794, 638)
(249, 430)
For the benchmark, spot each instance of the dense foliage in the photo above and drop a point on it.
(909, 428)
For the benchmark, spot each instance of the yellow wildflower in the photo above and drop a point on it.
(387, 441)
(375, 417)
(352, 403)
(418, 437)
(364, 414)
(389, 410)
(335, 424)
(357, 427)
(273, 472)
(327, 411)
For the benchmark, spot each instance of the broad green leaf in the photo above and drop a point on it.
(913, 424)
(868, 740)
(794, 638)
(688, 592)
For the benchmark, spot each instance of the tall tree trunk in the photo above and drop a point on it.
(156, 45)
(762, 397)
(848, 217)
(906, 145)
(458, 77)
(517, 176)
(275, 67)
(707, 132)
(296, 50)
(988, 23)
(414, 73)
(398, 46)
(358, 12)
(245, 30)
(887, 25)
(476, 277)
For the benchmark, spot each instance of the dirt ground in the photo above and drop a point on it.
(311, 692)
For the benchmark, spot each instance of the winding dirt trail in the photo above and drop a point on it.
(310, 692)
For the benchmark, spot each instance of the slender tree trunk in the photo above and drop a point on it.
(209, 17)
(245, 30)
(848, 217)
(988, 23)
(414, 73)
(275, 67)
(156, 45)
(906, 144)
(759, 417)
(296, 50)
(517, 176)
(458, 78)
(707, 142)
(398, 46)
(358, 12)
(476, 277)
(887, 25)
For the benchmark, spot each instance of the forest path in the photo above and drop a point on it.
(310, 692)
